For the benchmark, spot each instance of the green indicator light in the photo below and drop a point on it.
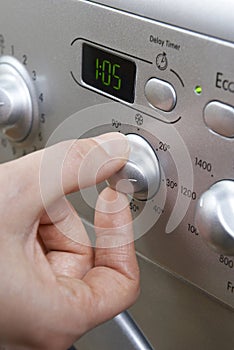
(198, 89)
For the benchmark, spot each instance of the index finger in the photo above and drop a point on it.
(44, 176)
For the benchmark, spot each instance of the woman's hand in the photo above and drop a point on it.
(54, 285)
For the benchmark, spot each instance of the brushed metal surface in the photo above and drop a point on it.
(207, 17)
(47, 36)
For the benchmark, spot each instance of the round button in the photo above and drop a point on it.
(141, 174)
(18, 106)
(160, 94)
(215, 216)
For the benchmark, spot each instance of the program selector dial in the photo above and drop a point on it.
(141, 174)
(18, 103)
(215, 216)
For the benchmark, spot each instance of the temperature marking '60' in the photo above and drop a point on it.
(133, 206)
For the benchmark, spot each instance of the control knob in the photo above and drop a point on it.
(215, 216)
(18, 103)
(141, 174)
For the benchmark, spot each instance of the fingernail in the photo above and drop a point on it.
(115, 144)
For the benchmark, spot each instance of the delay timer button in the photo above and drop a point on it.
(160, 94)
(219, 117)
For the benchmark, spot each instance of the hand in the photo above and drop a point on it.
(54, 285)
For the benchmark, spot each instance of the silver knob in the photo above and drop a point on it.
(141, 175)
(215, 216)
(18, 106)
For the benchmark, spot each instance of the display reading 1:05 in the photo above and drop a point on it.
(108, 73)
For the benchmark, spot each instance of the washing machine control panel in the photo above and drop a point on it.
(98, 69)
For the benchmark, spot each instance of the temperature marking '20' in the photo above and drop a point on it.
(164, 146)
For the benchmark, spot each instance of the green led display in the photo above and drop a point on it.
(108, 72)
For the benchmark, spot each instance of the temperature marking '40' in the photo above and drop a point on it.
(158, 210)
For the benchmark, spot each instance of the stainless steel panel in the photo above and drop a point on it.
(46, 37)
(214, 18)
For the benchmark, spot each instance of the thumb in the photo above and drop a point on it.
(42, 177)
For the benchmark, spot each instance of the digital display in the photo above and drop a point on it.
(108, 72)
